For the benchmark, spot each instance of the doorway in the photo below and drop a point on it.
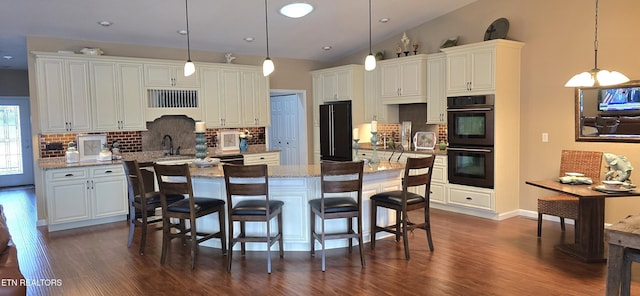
(16, 152)
(287, 132)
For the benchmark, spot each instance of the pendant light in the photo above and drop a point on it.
(267, 66)
(189, 67)
(595, 76)
(370, 60)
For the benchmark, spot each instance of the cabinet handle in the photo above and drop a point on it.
(261, 158)
(69, 175)
(108, 171)
(468, 198)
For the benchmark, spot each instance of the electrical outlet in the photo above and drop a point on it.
(545, 137)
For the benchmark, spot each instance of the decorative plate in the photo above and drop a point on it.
(611, 190)
(497, 30)
(424, 140)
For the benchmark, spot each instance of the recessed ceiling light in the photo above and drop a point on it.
(296, 10)
(182, 32)
(105, 23)
(249, 39)
(384, 20)
(7, 57)
(327, 47)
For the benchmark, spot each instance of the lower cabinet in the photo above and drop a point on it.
(85, 196)
(269, 158)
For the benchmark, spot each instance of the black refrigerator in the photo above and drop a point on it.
(335, 131)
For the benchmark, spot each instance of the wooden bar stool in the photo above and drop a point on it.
(251, 181)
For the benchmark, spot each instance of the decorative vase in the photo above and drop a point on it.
(243, 145)
(201, 145)
(442, 145)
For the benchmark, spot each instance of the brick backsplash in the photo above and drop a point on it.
(181, 129)
(393, 129)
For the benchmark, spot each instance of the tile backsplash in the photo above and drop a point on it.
(180, 128)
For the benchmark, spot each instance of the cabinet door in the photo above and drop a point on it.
(159, 75)
(330, 86)
(67, 201)
(52, 95)
(318, 97)
(436, 93)
(344, 85)
(211, 96)
(132, 97)
(109, 196)
(255, 101)
(231, 98)
(457, 71)
(482, 70)
(390, 83)
(371, 94)
(78, 106)
(411, 79)
(104, 93)
(170, 74)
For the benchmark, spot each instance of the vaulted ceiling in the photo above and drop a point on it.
(215, 25)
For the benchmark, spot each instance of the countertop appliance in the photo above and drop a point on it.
(335, 131)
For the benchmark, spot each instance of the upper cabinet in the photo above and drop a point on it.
(169, 75)
(235, 96)
(472, 69)
(403, 80)
(374, 109)
(436, 89)
(117, 91)
(344, 83)
(63, 94)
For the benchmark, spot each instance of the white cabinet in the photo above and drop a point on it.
(439, 180)
(473, 68)
(235, 97)
(63, 94)
(436, 89)
(403, 80)
(269, 158)
(344, 83)
(255, 99)
(85, 196)
(169, 75)
(374, 109)
(117, 96)
(473, 197)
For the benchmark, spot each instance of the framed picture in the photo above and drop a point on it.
(89, 146)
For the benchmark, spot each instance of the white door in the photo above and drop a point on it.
(285, 131)
(16, 152)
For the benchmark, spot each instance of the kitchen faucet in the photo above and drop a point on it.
(170, 143)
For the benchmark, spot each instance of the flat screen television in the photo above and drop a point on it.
(622, 99)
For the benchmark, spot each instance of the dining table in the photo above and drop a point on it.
(588, 244)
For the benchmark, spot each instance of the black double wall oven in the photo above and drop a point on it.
(470, 133)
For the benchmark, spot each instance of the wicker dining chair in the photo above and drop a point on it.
(588, 163)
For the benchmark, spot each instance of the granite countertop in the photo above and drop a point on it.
(436, 151)
(295, 171)
(143, 157)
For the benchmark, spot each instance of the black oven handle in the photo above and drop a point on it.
(469, 149)
(469, 109)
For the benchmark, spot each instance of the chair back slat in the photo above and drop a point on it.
(339, 177)
(247, 180)
(174, 179)
(418, 172)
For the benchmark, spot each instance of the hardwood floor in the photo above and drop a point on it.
(473, 256)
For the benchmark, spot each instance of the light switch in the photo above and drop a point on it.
(545, 137)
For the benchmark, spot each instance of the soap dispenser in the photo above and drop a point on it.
(72, 155)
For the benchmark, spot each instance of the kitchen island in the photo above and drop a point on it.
(295, 185)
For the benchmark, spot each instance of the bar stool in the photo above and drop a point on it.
(417, 172)
(251, 180)
(338, 177)
(176, 179)
(143, 202)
